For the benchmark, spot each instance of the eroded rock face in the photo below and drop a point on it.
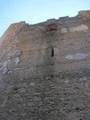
(45, 70)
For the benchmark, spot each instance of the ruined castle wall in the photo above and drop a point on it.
(45, 71)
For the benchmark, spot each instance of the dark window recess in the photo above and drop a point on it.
(51, 27)
(52, 52)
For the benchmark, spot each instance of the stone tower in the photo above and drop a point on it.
(45, 70)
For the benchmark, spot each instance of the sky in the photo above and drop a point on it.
(35, 11)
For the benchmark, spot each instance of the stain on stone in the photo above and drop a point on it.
(76, 56)
(17, 60)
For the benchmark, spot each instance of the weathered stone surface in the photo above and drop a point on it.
(84, 13)
(45, 70)
(79, 28)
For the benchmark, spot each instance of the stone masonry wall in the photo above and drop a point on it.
(45, 70)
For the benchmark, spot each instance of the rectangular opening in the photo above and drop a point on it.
(52, 52)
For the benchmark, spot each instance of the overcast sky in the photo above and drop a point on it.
(34, 11)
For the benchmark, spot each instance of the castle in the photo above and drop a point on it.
(45, 70)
